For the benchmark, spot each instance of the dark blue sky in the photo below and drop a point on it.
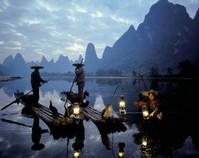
(53, 27)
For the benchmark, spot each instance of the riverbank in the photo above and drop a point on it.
(9, 78)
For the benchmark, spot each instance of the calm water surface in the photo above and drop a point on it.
(178, 139)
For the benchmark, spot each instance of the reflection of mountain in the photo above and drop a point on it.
(187, 95)
(25, 85)
(12, 86)
(168, 136)
(105, 81)
(166, 37)
(178, 124)
(109, 127)
(179, 94)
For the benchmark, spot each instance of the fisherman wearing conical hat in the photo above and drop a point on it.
(36, 81)
(80, 79)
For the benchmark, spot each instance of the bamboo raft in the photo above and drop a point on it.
(62, 126)
(40, 110)
(59, 119)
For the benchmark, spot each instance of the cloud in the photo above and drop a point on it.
(51, 28)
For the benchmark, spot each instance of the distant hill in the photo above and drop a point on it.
(18, 67)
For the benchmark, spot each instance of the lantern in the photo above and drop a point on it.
(76, 109)
(145, 112)
(122, 105)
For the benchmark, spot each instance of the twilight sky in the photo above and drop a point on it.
(49, 28)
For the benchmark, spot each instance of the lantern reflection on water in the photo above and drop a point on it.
(121, 150)
(144, 141)
(76, 154)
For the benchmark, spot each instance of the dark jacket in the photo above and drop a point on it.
(80, 78)
(36, 79)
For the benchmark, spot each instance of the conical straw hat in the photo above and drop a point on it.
(37, 67)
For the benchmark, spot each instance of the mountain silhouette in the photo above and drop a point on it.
(166, 37)
(91, 59)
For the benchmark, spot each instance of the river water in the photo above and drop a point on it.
(177, 137)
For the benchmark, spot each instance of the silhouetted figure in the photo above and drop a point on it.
(36, 81)
(79, 136)
(80, 80)
(108, 127)
(53, 109)
(36, 135)
(106, 141)
(73, 97)
(86, 94)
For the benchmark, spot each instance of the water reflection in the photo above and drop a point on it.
(106, 128)
(175, 136)
(74, 131)
(110, 82)
(36, 135)
(166, 136)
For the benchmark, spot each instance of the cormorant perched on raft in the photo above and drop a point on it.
(106, 111)
(53, 109)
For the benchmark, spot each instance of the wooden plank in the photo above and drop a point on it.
(93, 115)
(89, 117)
(44, 117)
(47, 109)
(49, 112)
(94, 110)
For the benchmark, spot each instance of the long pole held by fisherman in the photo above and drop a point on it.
(15, 101)
(143, 82)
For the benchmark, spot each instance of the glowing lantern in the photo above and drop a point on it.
(122, 105)
(145, 112)
(76, 109)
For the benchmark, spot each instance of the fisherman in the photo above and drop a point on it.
(153, 104)
(80, 80)
(36, 81)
